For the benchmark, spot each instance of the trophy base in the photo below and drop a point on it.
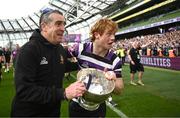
(88, 105)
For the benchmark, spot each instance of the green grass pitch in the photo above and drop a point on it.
(160, 97)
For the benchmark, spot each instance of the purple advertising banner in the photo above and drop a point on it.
(162, 62)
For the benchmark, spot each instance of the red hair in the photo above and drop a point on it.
(101, 25)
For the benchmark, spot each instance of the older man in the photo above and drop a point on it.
(40, 69)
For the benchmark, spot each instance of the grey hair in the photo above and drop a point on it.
(45, 17)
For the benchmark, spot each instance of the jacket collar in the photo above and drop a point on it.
(37, 36)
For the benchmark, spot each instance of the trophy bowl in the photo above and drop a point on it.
(98, 88)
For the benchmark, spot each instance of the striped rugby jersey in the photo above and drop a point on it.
(86, 59)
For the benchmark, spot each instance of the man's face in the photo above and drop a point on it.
(55, 29)
(135, 44)
(107, 39)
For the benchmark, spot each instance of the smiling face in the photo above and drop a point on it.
(54, 29)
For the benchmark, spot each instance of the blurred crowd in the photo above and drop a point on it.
(165, 44)
(8, 57)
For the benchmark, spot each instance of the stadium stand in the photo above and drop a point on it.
(150, 20)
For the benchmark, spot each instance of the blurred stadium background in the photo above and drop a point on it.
(141, 20)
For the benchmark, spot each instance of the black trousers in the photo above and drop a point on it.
(75, 110)
(0, 74)
(25, 109)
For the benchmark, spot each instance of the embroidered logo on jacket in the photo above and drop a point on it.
(43, 61)
(61, 59)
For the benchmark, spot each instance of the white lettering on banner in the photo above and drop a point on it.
(168, 63)
(161, 62)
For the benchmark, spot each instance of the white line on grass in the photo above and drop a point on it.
(119, 112)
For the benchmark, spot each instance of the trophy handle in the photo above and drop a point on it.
(89, 81)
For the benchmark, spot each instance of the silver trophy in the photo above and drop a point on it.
(98, 88)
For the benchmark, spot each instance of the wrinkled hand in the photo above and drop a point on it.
(75, 89)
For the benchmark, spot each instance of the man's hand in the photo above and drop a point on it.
(75, 89)
(132, 62)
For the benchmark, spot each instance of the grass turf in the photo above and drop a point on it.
(160, 97)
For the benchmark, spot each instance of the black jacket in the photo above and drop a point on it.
(39, 76)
